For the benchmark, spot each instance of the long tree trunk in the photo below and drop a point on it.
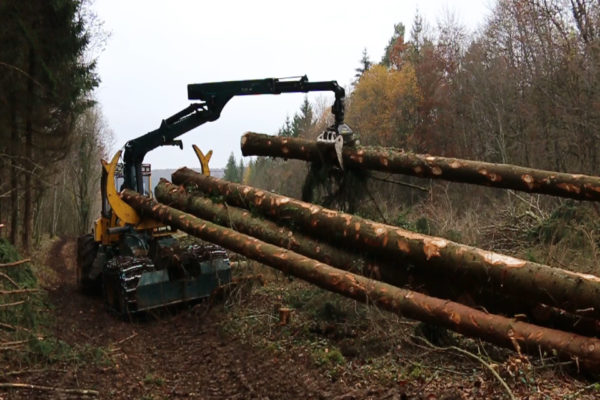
(243, 221)
(387, 159)
(496, 329)
(537, 282)
(28, 159)
(397, 274)
(14, 176)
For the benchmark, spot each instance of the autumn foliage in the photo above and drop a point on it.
(384, 105)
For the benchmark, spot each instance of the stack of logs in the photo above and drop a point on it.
(398, 270)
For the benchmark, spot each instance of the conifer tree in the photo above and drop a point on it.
(365, 64)
(231, 170)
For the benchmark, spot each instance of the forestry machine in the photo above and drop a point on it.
(136, 262)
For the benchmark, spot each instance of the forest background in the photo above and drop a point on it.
(524, 89)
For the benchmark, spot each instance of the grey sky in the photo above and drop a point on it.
(157, 47)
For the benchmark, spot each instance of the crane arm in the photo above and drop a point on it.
(214, 97)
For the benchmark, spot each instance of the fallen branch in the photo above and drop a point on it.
(405, 184)
(16, 303)
(474, 357)
(20, 291)
(8, 327)
(15, 263)
(15, 328)
(14, 344)
(11, 280)
(30, 371)
(84, 392)
(134, 334)
(11, 347)
(421, 365)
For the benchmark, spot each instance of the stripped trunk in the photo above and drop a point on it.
(387, 159)
(243, 221)
(14, 177)
(519, 278)
(397, 274)
(28, 159)
(471, 322)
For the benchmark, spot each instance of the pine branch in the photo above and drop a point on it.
(20, 291)
(16, 303)
(11, 280)
(15, 263)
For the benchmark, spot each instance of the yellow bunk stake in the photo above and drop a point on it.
(124, 211)
(204, 159)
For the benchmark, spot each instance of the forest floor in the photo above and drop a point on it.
(332, 348)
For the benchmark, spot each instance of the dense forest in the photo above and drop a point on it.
(51, 129)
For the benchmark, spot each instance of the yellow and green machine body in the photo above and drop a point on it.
(138, 263)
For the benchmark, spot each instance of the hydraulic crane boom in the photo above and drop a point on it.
(214, 97)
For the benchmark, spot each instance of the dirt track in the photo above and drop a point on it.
(181, 355)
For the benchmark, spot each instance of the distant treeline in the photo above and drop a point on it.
(524, 89)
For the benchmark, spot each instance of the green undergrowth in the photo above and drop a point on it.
(22, 316)
(543, 229)
(337, 335)
(567, 236)
(361, 345)
(26, 320)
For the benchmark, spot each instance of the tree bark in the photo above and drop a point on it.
(468, 321)
(518, 278)
(387, 159)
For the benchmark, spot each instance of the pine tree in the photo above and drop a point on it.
(300, 124)
(417, 39)
(365, 64)
(231, 170)
(287, 129)
(303, 121)
(240, 171)
(396, 40)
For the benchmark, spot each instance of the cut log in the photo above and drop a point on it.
(538, 283)
(397, 274)
(495, 329)
(243, 221)
(387, 159)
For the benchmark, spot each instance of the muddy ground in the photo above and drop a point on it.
(186, 353)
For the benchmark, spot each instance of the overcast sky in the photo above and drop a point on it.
(157, 47)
